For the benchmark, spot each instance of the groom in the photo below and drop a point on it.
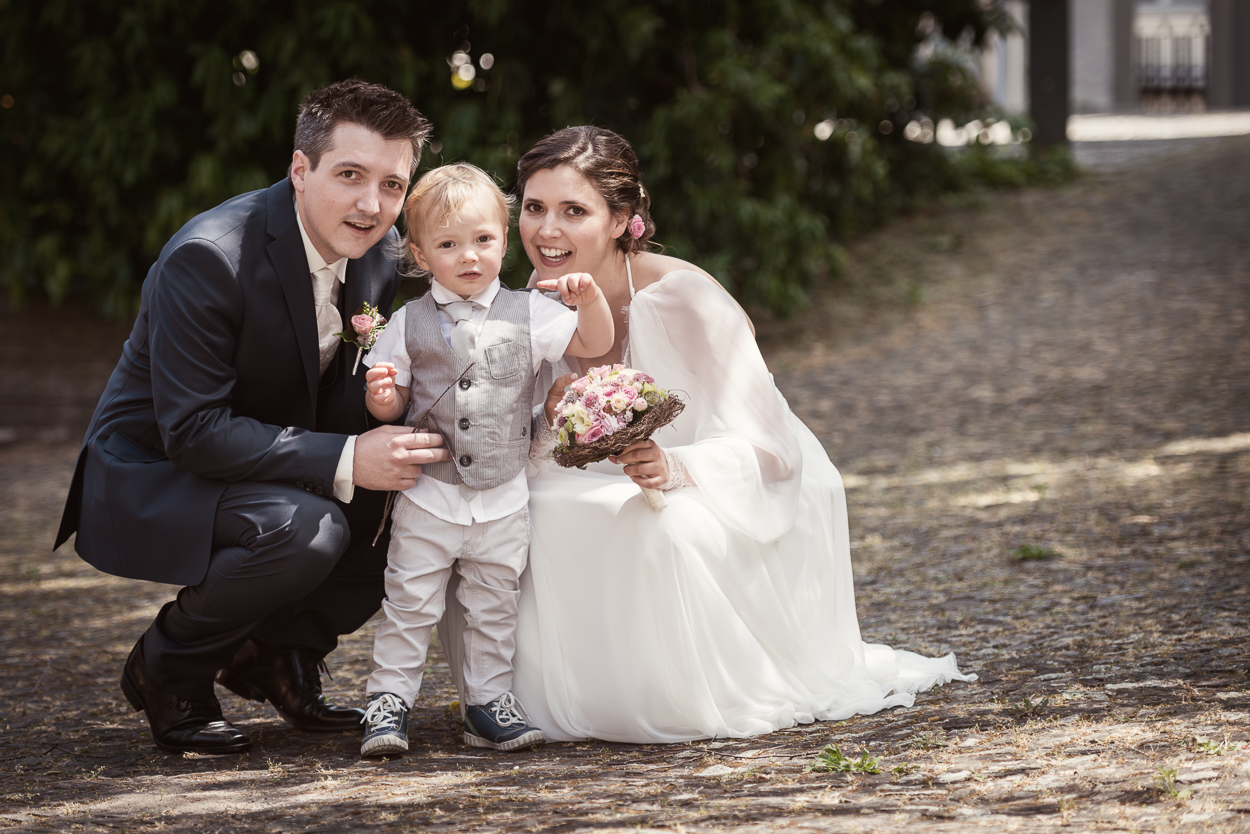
(231, 452)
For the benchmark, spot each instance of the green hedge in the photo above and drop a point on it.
(122, 119)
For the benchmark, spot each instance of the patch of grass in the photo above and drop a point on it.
(1211, 748)
(1033, 553)
(1165, 783)
(1028, 708)
(831, 760)
(905, 768)
(751, 773)
(927, 740)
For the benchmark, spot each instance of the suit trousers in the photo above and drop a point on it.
(282, 571)
(488, 558)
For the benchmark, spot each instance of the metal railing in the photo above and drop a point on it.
(1170, 64)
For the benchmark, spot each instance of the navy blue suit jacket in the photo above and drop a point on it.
(218, 383)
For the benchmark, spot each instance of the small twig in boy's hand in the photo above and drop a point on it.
(459, 376)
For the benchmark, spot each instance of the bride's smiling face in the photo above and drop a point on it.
(566, 225)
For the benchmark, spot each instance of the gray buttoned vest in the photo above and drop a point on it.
(485, 417)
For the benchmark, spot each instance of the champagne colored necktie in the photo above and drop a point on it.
(329, 322)
(463, 333)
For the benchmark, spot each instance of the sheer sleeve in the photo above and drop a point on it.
(735, 438)
(542, 436)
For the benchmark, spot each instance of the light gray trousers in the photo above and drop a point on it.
(488, 558)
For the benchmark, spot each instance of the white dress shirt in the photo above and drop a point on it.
(327, 279)
(552, 326)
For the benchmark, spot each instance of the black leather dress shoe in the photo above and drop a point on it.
(288, 679)
(179, 725)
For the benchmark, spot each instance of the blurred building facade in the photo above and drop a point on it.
(1134, 56)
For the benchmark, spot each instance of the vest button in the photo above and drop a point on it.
(464, 422)
(466, 460)
(465, 384)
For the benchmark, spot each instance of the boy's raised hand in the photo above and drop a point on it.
(381, 381)
(576, 288)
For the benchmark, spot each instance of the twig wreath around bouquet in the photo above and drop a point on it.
(608, 409)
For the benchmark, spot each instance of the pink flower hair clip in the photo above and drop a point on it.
(636, 227)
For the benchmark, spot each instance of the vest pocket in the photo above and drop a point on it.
(506, 359)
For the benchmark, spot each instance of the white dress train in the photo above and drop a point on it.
(730, 613)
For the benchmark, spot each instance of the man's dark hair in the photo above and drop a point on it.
(372, 106)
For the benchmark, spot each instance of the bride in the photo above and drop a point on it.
(731, 612)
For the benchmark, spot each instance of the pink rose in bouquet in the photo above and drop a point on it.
(607, 410)
(602, 403)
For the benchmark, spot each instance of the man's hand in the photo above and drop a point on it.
(391, 457)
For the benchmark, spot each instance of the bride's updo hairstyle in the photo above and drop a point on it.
(608, 162)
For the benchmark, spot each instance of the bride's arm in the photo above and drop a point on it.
(696, 335)
(542, 435)
(736, 438)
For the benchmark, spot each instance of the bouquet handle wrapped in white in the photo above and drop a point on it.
(655, 498)
(607, 410)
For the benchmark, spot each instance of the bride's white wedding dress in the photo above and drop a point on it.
(731, 612)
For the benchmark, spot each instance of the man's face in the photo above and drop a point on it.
(354, 196)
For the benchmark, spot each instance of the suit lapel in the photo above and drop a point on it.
(358, 288)
(286, 253)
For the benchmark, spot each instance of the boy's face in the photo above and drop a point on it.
(465, 254)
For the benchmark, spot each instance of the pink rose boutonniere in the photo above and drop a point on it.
(366, 325)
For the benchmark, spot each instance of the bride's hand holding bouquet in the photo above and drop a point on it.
(610, 414)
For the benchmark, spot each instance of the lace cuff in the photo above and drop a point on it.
(678, 477)
(542, 436)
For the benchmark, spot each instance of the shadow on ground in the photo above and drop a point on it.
(1047, 456)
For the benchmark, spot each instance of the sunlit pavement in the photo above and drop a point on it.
(1046, 458)
(1124, 127)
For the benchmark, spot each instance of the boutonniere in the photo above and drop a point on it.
(367, 324)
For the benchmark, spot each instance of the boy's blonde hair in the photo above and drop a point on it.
(439, 195)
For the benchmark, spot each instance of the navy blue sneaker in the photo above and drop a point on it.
(500, 725)
(386, 726)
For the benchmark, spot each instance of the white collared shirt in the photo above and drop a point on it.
(344, 489)
(552, 326)
(327, 337)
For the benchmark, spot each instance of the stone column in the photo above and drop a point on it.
(1125, 93)
(1228, 81)
(1049, 73)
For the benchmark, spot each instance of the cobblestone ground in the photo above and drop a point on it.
(1041, 404)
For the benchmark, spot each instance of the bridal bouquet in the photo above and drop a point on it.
(607, 410)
